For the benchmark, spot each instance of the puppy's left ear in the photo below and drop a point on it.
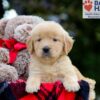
(68, 43)
(30, 44)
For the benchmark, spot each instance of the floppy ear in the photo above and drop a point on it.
(68, 43)
(30, 44)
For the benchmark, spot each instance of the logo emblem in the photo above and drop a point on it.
(87, 5)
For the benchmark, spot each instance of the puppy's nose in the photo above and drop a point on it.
(46, 49)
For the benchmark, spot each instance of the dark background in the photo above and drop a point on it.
(86, 32)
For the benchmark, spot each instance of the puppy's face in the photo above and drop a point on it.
(48, 45)
(48, 41)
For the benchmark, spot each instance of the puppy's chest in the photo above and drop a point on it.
(51, 75)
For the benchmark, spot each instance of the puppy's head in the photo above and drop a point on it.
(49, 41)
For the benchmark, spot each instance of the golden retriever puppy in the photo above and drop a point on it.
(49, 46)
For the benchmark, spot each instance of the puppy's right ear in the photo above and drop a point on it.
(30, 44)
(68, 43)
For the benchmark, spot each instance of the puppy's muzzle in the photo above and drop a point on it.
(46, 51)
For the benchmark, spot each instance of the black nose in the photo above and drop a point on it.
(46, 49)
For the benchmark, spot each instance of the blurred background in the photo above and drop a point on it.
(86, 32)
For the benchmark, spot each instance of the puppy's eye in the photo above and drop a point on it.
(54, 39)
(39, 39)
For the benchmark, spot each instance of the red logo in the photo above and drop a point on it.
(87, 5)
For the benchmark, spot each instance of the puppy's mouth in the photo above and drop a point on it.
(46, 55)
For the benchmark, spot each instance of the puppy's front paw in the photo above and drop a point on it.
(71, 86)
(30, 88)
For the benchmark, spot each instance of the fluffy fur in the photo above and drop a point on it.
(22, 32)
(4, 55)
(18, 28)
(19, 20)
(56, 65)
(3, 23)
(7, 73)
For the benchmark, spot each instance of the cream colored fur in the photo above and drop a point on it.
(57, 65)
